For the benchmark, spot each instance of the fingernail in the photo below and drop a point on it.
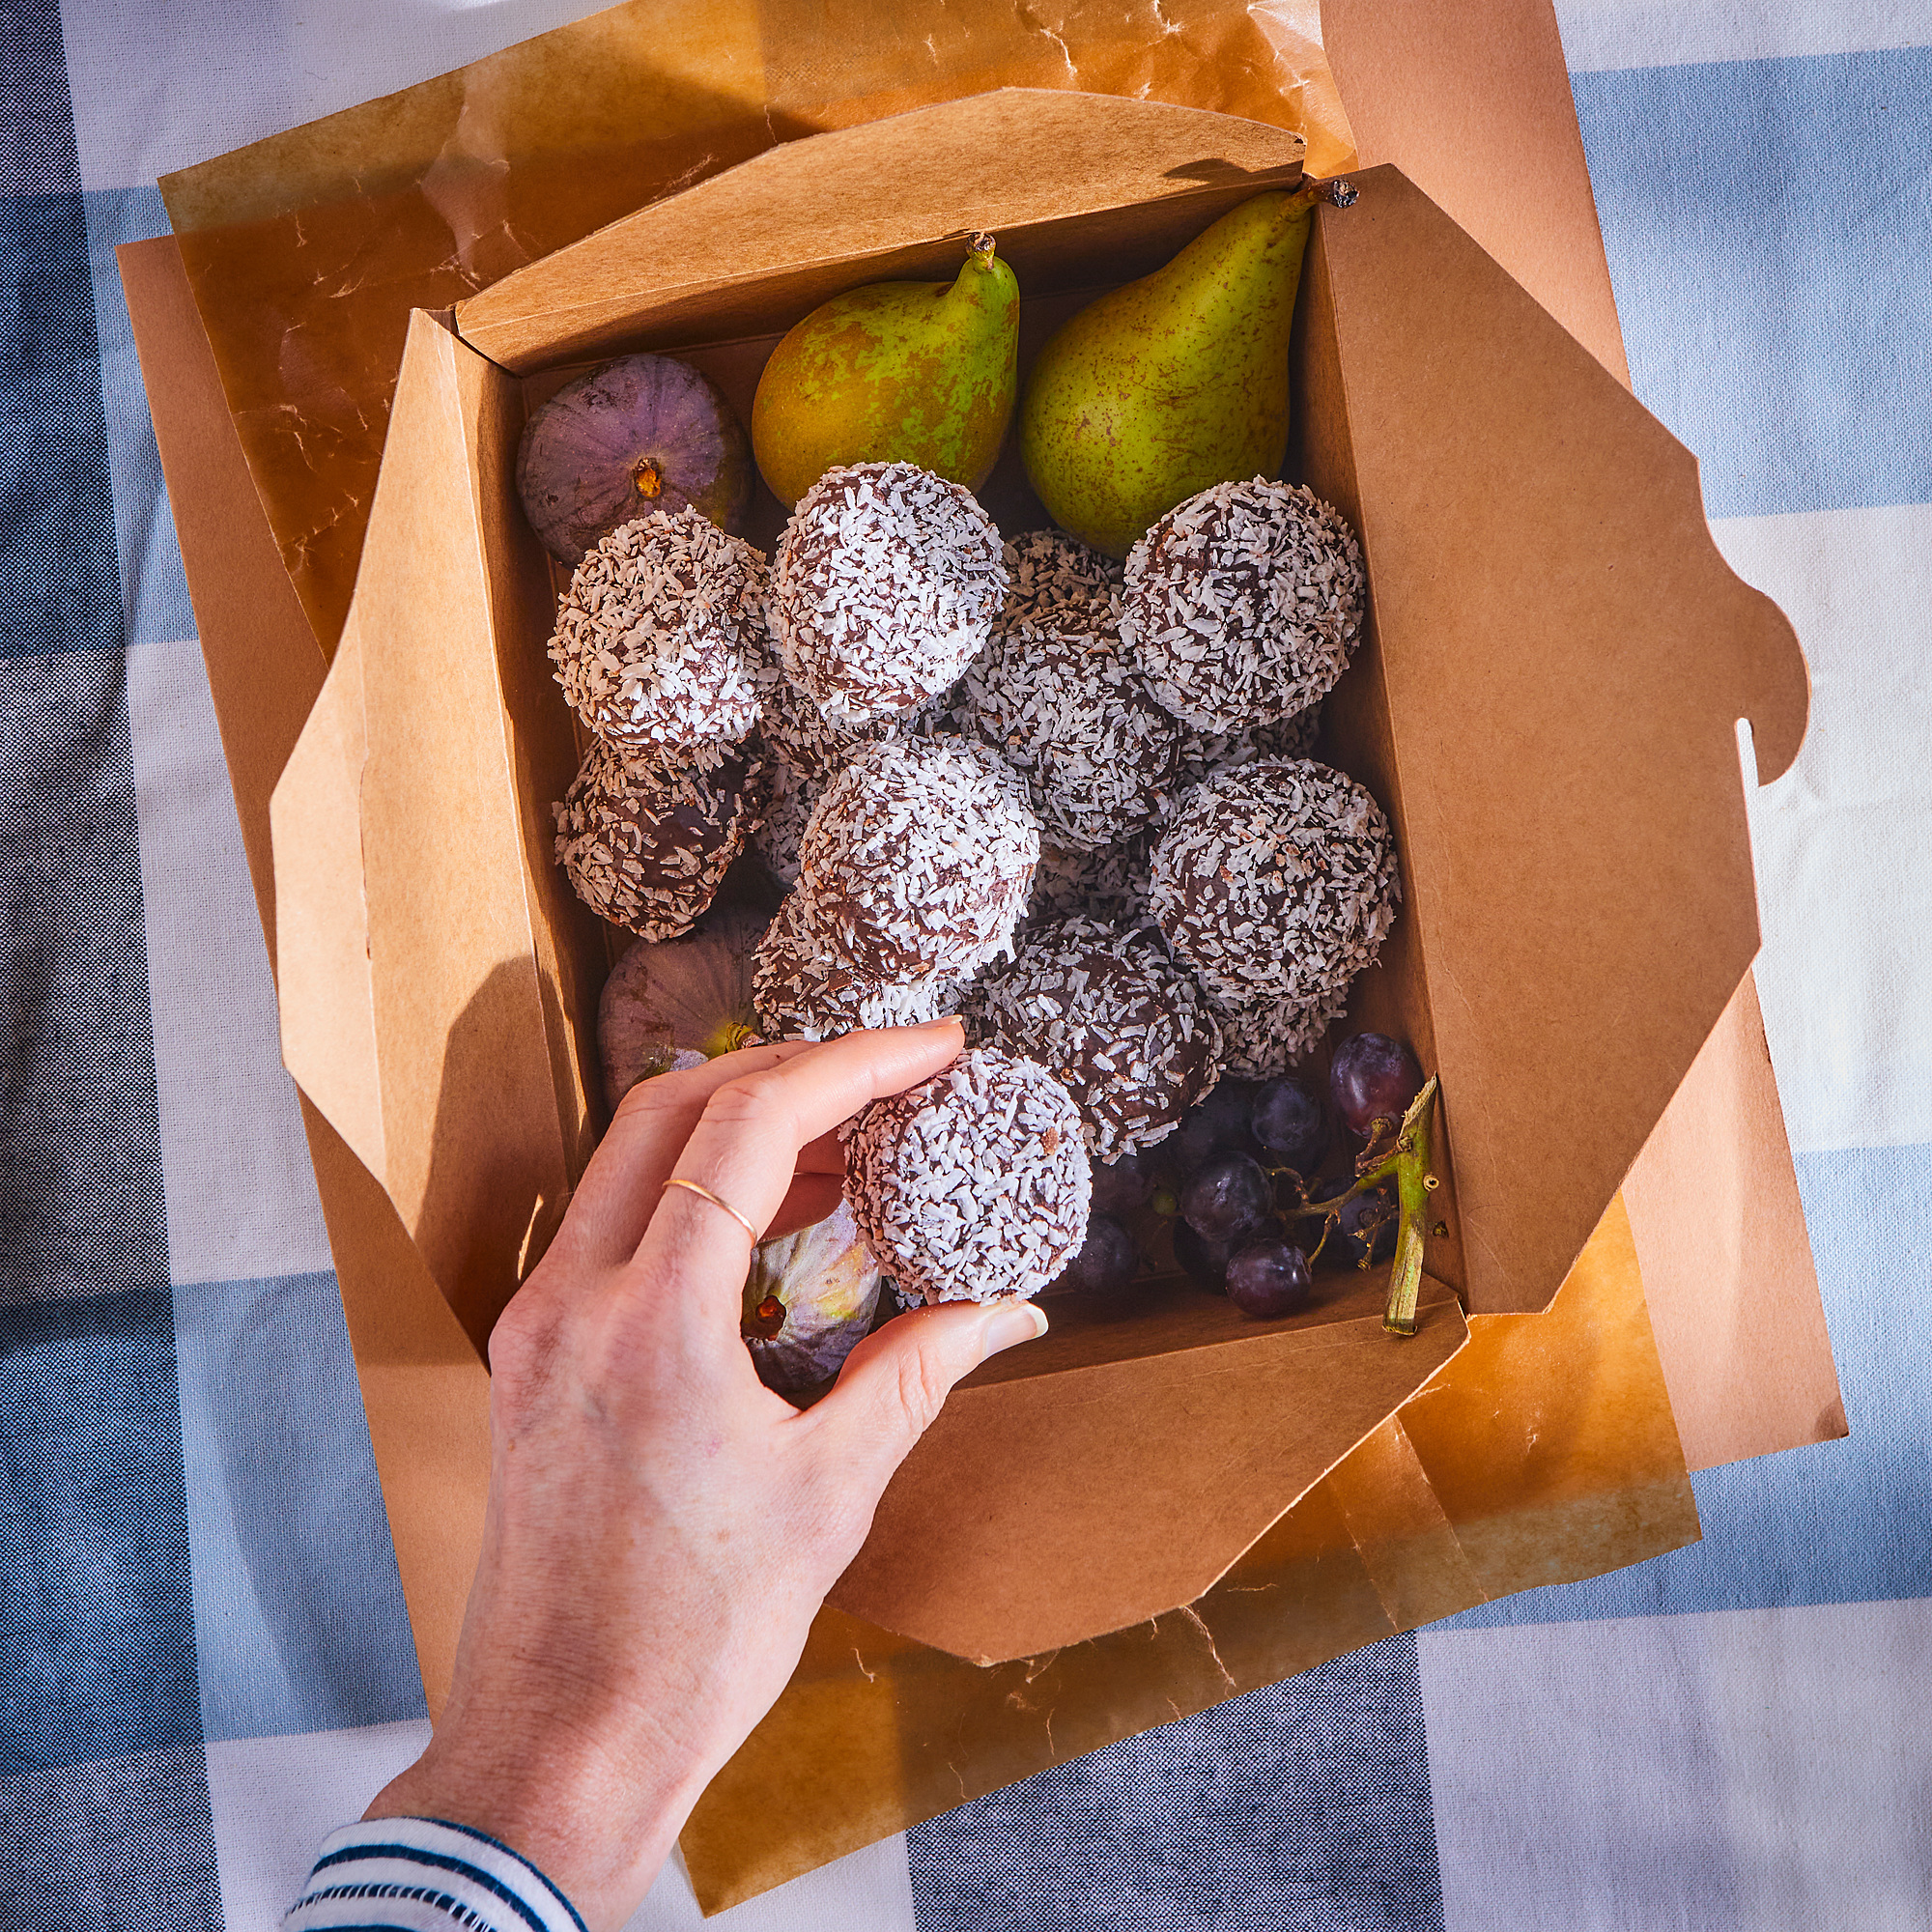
(1011, 1323)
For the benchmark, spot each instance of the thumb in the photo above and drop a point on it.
(898, 1379)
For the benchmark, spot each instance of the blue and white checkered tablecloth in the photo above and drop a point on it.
(204, 1659)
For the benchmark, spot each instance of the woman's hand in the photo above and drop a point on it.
(661, 1527)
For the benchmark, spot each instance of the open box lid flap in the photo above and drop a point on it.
(1000, 161)
(1541, 570)
(1127, 1483)
(399, 807)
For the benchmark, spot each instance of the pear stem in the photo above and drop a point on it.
(981, 245)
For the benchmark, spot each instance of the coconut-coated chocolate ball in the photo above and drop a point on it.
(918, 858)
(1243, 604)
(1105, 1011)
(885, 585)
(655, 635)
(645, 841)
(974, 1183)
(1276, 883)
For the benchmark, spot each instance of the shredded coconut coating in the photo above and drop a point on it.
(802, 990)
(1103, 1010)
(1261, 1039)
(788, 799)
(1109, 883)
(1065, 707)
(1276, 883)
(884, 587)
(645, 841)
(1054, 581)
(1206, 755)
(1243, 604)
(653, 636)
(974, 1183)
(919, 857)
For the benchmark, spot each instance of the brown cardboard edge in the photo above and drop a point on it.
(551, 309)
(1719, 1232)
(324, 988)
(424, 1390)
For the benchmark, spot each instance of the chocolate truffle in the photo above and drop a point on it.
(653, 635)
(1064, 705)
(1276, 883)
(1105, 1011)
(1053, 579)
(1263, 1038)
(974, 1183)
(801, 748)
(802, 990)
(919, 857)
(646, 840)
(884, 587)
(1244, 603)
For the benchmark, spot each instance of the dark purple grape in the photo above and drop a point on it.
(1365, 1229)
(1201, 1259)
(1291, 1121)
(1220, 1123)
(1228, 1196)
(1120, 1185)
(1269, 1277)
(1108, 1258)
(1373, 1077)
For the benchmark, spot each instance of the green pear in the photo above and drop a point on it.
(895, 372)
(1170, 385)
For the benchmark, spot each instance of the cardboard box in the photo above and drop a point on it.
(1544, 702)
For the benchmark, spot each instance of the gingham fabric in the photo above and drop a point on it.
(205, 1666)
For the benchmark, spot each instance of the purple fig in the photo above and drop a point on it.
(643, 433)
(810, 1299)
(678, 1002)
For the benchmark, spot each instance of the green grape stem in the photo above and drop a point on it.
(1403, 1159)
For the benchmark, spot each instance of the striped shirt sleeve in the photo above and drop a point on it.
(422, 1875)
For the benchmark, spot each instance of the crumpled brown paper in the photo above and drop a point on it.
(1542, 1453)
(307, 251)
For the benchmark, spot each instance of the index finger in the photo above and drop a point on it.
(746, 1145)
(613, 1202)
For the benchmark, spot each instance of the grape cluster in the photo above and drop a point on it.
(1224, 1179)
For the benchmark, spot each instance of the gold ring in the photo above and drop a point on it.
(705, 1193)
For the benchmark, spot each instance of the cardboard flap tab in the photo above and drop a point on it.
(322, 912)
(1003, 160)
(1576, 846)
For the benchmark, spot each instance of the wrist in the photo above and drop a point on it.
(598, 1831)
